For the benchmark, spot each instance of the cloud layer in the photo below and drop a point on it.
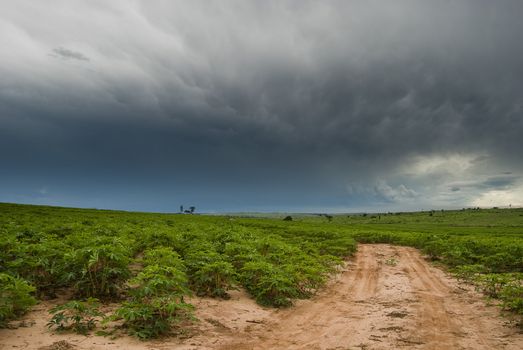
(239, 105)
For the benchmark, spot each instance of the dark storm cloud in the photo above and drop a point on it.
(489, 183)
(297, 103)
(501, 182)
(68, 54)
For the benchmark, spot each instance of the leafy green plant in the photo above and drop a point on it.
(493, 284)
(154, 238)
(41, 264)
(78, 316)
(512, 296)
(508, 287)
(468, 273)
(270, 285)
(15, 297)
(100, 270)
(210, 274)
(157, 302)
(435, 249)
(163, 256)
(153, 317)
(391, 262)
(238, 253)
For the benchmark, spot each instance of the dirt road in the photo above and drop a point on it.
(388, 297)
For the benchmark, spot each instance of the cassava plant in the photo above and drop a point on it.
(210, 274)
(15, 297)
(78, 316)
(99, 270)
(157, 302)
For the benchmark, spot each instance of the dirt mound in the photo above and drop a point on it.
(58, 345)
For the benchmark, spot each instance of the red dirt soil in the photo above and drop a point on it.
(387, 297)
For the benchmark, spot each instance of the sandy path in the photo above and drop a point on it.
(388, 297)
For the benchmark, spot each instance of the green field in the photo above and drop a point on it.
(151, 263)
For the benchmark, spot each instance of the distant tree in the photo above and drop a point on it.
(192, 209)
(181, 208)
(288, 218)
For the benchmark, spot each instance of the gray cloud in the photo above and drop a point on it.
(69, 54)
(501, 182)
(263, 102)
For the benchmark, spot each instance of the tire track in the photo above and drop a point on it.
(445, 318)
(434, 327)
(365, 284)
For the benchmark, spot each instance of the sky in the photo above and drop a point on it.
(296, 106)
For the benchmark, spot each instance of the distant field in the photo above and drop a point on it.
(151, 263)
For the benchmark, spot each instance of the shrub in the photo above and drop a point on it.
(41, 264)
(512, 297)
(435, 249)
(468, 272)
(154, 317)
(162, 238)
(341, 246)
(15, 297)
(503, 261)
(270, 285)
(99, 270)
(240, 253)
(157, 302)
(210, 274)
(163, 256)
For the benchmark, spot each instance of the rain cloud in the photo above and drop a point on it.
(273, 105)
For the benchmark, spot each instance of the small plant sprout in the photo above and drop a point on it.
(78, 316)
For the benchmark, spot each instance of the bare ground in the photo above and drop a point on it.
(388, 297)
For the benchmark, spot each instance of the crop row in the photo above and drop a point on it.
(152, 266)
